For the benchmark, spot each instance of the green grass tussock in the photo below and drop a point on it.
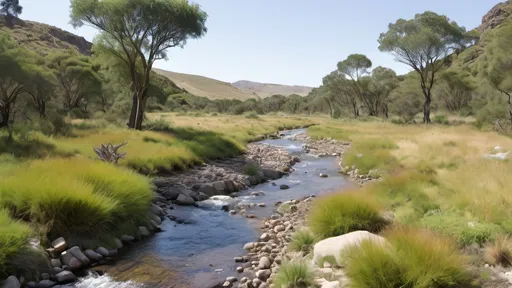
(341, 213)
(414, 259)
(296, 274)
(13, 238)
(323, 131)
(302, 241)
(370, 154)
(76, 196)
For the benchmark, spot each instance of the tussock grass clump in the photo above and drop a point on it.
(338, 214)
(323, 131)
(76, 196)
(414, 258)
(251, 170)
(295, 274)
(368, 154)
(13, 238)
(499, 252)
(302, 241)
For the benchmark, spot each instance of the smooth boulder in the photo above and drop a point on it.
(185, 200)
(93, 255)
(65, 277)
(284, 187)
(11, 282)
(334, 246)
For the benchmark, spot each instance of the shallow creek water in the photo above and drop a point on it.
(200, 253)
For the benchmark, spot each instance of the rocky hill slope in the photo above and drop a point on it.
(43, 38)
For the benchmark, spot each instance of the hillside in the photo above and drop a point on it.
(268, 89)
(206, 87)
(43, 38)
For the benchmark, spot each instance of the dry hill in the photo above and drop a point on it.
(267, 89)
(206, 87)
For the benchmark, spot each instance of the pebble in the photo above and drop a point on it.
(231, 279)
(239, 269)
(264, 237)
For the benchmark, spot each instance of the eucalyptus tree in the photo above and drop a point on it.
(139, 32)
(423, 43)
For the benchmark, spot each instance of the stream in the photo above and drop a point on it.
(200, 253)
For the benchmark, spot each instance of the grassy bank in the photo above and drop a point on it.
(54, 186)
(435, 180)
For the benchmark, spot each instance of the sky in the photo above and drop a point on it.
(291, 42)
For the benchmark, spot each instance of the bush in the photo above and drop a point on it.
(297, 274)
(157, 125)
(302, 241)
(415, 258)
(55, 124)
(13, 237)
(77, 196)
(342, 213)
(499, 252)
(252, 115)
(441, 119)
(251, 170)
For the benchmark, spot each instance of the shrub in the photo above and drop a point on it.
(252, 115)
(55, 124)
(499, 252)
(414, 258)
(157, 125)
(302, 241)
(441, 119)
(13, 237)
(342, 213)
(297, 274)
(77, 196)
(251, 170)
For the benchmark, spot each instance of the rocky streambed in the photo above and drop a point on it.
(208, 214)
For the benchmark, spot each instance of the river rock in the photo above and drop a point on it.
(264, 263)
(102, 251)
(70, 261)
(57, 270)
(46, 284)
(262, 205)
(249, 246)
(335, 245)
(227, 284)
(155, 218)
(264, 274)
(170, 193)
(92, 255)
(59, 244)
(127, 238)
(65, 277)
(279, 228)
(208, 189)
(232, 212)
(11, 282)
(231, 279)
(185, 200)
(56, 263)
(284, 187)
(230, 186)
(272, 174)
(143, 231)
(157, 210)
(78, 254)
(220, 186)
(45, 276)
(256, 282)
(112, 253)
(240, 269)
(323, 175)
(264, 237)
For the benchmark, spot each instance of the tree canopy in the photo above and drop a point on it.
(10, 8)
(139, 32)
(423, 43)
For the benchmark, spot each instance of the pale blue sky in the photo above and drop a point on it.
(283, 41)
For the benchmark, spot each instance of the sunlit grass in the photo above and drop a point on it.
(13, 237)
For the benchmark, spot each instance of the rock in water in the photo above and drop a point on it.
(93, 255)
(127, 238)
(65, 277)
(335, 245)
(284, 187)
(323, 175)
(264, 263)
(185, 200)
(102, 251)
(11, 282)
(46, 284)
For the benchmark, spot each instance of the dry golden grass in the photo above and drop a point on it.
(206, 87)
(499, 252)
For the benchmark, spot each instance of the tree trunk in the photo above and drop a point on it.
(509, 106)
(5, 113)
(426, 109)
(9, 19)
(137, 111)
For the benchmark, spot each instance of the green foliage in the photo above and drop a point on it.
(465, 230)
(322, 131)
(55, 125)
(172, 22)
(13, 238)
(296, 274)
(441, 119)
(341, 213)
(370, 154)
(252, 170)
(76, 196)
(302, 241)
(414, 258)
(158, 125)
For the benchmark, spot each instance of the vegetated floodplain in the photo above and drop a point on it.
(438, 181)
